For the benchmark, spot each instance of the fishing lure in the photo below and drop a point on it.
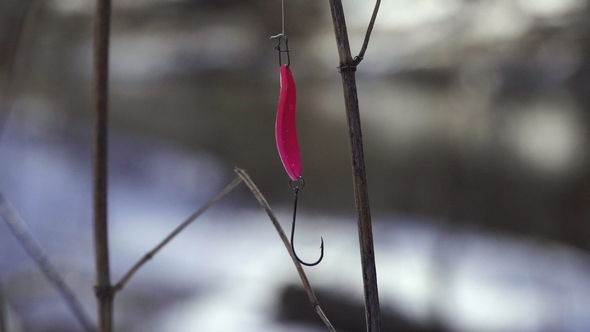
(285, 127)
(286, 136)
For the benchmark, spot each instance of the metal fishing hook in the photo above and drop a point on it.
(296, 189)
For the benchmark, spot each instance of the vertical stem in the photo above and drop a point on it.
(104, 292)
(3, 312)
(361, 197)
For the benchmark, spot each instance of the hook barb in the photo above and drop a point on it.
(304, 263)
(296, 190)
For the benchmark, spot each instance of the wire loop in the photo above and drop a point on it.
(296, 188)
(286, 50)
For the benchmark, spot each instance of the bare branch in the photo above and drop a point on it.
(359, 57)
(310, 293)
(178, 229)
(359, 175)
(22, 233)
(104, 292)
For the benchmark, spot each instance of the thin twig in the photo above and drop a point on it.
(359, 58)
(359, 177)
(24, 236)
(3, 311)
(178, 229)
(104, 292)
(310, 293)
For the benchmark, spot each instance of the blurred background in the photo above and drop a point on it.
(476, 124)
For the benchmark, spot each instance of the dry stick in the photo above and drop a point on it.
(3, 311)
(104, 292)
(347, 69)
(312, 298)
(178, 229)
(19, 228)
(242, 176)
(359, 58)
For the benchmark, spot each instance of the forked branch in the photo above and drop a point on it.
(359, 58)
(242, 176)
(359, 176)
(310, 293)
(175, 232)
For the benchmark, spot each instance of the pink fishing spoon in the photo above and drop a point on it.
(286, 136)
(285, 128)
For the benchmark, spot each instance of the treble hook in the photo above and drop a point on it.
(296, 190)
